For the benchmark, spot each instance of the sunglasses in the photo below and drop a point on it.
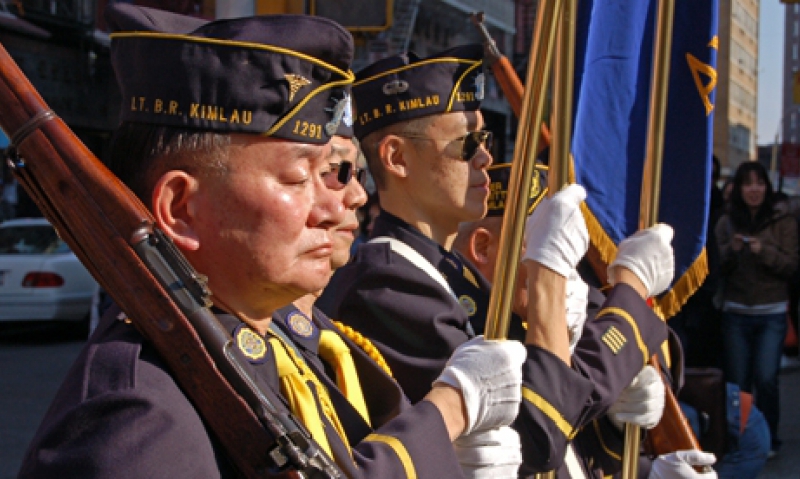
(342, 173)
(470, 143)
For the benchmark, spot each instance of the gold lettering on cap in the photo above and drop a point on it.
(419, 102)
(137, 103)
(464, 96)
(218, 114)
(310, 130)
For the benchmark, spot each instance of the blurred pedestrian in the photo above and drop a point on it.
(758, 250)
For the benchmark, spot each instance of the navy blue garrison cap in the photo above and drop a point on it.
(403, 87)
(283, 76)
(499, 178)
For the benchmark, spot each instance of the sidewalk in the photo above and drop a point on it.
(787, 464)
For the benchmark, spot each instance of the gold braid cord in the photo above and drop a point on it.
(364, 344)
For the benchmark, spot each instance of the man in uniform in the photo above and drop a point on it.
(598, 449)
(226, 137)
(419, 126)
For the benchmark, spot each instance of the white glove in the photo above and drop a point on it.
(489, 375)
(577, 302)
(491, 454)
(641, 403)
(678, 465)
(648, 254)
(556, 234)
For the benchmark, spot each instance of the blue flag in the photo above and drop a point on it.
(613, 65)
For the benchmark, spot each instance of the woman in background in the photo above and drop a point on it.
(758, 250)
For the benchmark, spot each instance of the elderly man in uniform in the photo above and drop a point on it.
(226, 137)
(421, 130)
(598, 449)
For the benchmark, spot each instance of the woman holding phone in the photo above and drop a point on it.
(759, 253)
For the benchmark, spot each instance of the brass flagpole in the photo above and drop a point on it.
(522, 168)
(651, 179)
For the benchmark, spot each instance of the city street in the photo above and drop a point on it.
(34, 358)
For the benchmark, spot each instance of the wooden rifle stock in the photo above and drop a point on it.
(506, 77)
(673, 432)
(103, 221)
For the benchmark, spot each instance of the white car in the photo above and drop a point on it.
(40, 278)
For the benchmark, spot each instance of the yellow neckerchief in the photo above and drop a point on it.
(333, 350)
(295, 376)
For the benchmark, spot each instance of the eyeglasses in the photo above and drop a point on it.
(470, 143)
(345, 171)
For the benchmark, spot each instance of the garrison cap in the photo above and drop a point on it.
(282, 76)
(499, 178)
(402, 87)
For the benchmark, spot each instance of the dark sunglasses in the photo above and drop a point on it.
(345, 171)
(470, 143)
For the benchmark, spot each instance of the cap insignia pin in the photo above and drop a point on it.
(341, 112)
(395, 87)
(480, 83)
(296, 82)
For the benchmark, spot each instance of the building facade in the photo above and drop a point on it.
(790, 123)
(736, 106)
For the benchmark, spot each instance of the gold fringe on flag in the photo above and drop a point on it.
(668, 304)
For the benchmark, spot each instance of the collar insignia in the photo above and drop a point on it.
(468, 304)
(250, 343)
(296, 82)
(300, 324)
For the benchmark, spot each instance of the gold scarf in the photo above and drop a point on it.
(296, 377)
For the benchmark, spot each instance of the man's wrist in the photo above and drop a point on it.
(624, 275)
(450, 403)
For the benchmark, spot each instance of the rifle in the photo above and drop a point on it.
(114, 236)
(506, 76)
(673, 432)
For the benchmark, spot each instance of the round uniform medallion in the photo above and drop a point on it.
(300, 325)
(250, 343)
(468, 304)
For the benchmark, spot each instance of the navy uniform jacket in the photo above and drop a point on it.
(417, 324)
(119, 414)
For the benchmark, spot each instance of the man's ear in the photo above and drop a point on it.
(392, 151)
(175, 208)
(480, 241)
